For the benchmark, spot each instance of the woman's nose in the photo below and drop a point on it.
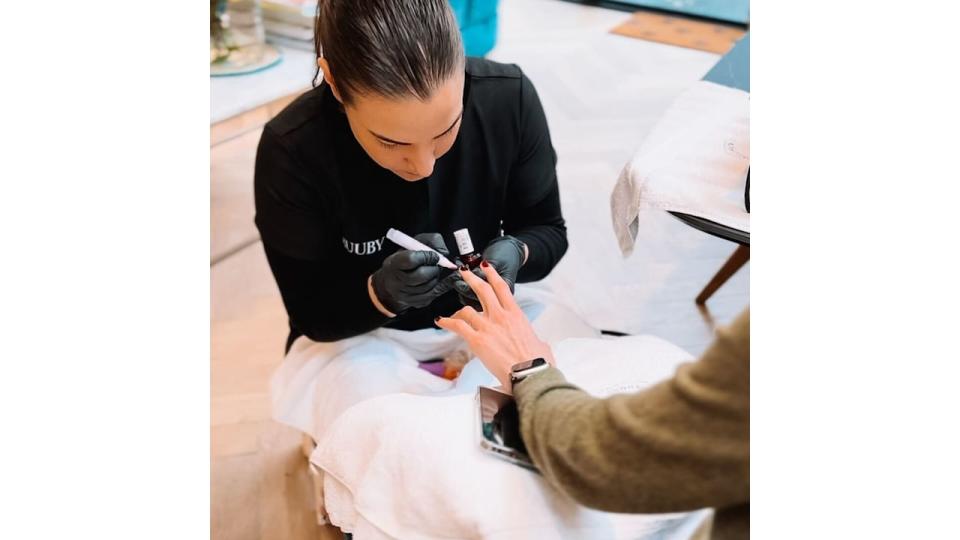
(422, 161)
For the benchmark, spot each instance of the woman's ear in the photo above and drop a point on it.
(328, 77)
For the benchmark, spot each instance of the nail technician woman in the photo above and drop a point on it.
(405, 133)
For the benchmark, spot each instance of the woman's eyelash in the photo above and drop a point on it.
(394, 145)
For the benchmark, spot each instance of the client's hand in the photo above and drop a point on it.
(506, 254)
(501, 336)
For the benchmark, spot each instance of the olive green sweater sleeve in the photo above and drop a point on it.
(679, 445)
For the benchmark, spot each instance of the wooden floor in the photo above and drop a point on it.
(601, 94)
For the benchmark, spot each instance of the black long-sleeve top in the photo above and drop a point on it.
(323, 206)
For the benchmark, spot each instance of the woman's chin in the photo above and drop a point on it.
(409, 177)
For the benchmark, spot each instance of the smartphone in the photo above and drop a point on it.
(500, 427)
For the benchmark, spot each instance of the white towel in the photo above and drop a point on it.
(695, 161)
(409, 466)
(318, 381)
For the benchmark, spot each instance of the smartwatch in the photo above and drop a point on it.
(523, 370)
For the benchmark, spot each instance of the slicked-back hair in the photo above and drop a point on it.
(390, 48)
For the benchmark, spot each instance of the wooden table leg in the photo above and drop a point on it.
(729, 268)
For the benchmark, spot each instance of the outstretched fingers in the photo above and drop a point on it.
(465, 323)
(483, 290)
(500, 287)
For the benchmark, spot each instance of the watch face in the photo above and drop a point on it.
(527, 365)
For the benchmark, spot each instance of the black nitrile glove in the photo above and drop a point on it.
(411, 279)
(506, 255)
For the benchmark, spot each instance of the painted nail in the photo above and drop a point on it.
(436, 319)
(485, 264)
(464, 268)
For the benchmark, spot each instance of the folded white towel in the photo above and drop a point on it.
(410, 466)
(296, 12)
(695, 161)
(290, 31)
(318, 381)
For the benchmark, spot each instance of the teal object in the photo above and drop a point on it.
(733, 69)
(478, 24)
(735, 11)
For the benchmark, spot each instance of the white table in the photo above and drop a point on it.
(230, 96)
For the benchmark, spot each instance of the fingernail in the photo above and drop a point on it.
(464, 268)
(436, 319)
(485, 264)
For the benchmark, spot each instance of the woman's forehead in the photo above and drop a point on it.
(411, 120)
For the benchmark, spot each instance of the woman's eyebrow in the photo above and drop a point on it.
(386, 139)
(459, 116)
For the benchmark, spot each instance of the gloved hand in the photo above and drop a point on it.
(411, 279)
(505, 254)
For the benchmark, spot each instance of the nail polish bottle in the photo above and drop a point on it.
(468, 256)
